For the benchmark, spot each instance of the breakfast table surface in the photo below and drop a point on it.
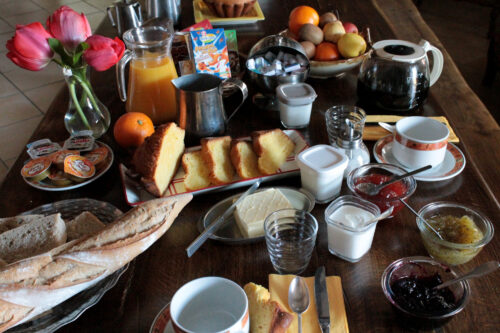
(153, 277)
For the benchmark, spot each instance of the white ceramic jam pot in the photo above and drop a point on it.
(397, 77)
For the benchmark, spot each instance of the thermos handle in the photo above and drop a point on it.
(138, 12)
(437, 56)
(229, 86)
(110, 15)
(120, 74)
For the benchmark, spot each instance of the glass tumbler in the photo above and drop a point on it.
(335, 120)
(290, 238)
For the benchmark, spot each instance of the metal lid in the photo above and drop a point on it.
(295, 93)
(399, 50)
(322, 159)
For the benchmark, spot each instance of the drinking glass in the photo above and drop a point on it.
(335, 120)
(290, 238)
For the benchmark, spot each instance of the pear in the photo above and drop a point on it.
(333, 31)
(351, 45)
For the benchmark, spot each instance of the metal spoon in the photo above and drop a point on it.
(372, 189)
(423, 220)
(380, 217)
(298, 298)
(476, 272)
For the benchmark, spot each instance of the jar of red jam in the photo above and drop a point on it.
(378, 173)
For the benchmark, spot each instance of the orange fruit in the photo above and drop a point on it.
(301, 15)
(132, 128)
(327, 51)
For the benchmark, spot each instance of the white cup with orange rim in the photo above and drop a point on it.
(210, 304)
(418, 141)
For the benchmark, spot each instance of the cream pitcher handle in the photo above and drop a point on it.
(437, 56)
(120, 74)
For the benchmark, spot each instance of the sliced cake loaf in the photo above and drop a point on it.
(266, 316)
(32, 238)
(272, 147)
(215, 153)
(244, 159)
(197, 172)
(159, 156)
(84, 224)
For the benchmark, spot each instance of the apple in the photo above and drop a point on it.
(350, 27)
(333, 31)
(351, 45)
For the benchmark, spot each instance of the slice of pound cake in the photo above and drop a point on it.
(244, 159)
(272, 147)
(159, 156)
(196, 171)
(266, 316)
(215, 153)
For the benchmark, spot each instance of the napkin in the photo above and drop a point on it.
(278, 287)
(373, 132)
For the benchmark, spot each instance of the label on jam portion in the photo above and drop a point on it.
(78, 166)
(42, 147)
(36, 168)
(98, 155)
(82, 141)
(59, 156)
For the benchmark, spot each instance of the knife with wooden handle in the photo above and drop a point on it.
(321, 298)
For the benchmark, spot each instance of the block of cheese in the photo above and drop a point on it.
(265, 316)
(278, 288)
(253, 210)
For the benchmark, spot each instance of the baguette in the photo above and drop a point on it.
(31, 286)
(84, 224)
(33, 238)
(8, 223)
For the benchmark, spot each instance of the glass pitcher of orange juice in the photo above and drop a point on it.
(150, 72)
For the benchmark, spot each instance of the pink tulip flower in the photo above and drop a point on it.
(29, 47)
(69, 27)
(103, 52)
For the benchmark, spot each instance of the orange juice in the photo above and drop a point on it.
(150, 90)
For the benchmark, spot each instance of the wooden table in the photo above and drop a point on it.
(156, 274)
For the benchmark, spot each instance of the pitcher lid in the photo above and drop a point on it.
(399, 50)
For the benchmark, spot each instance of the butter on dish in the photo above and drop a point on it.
(253, 210)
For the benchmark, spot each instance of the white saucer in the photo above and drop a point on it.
(453, 164)
(163, 321)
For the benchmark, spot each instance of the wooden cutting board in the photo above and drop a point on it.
(373, 132)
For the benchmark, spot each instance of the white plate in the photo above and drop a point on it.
(136, 194)
(162, 322)
(46, 186)
(453, 164)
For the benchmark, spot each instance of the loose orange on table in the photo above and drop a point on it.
(327, 51)
(132, 128)
(301, 15)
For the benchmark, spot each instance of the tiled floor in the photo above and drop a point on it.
(26, 95)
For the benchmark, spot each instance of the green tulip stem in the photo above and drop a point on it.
(72, 91)
(86, 87)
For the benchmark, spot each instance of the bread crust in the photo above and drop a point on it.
(230, 8)
(245, 169)
(41, 282)
(146, 157)
(260, 149)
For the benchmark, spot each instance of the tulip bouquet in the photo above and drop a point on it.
(69, 42)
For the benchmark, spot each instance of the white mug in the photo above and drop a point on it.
(419, 141)
(210, 304)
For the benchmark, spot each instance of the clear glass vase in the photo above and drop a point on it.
(85, 110)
